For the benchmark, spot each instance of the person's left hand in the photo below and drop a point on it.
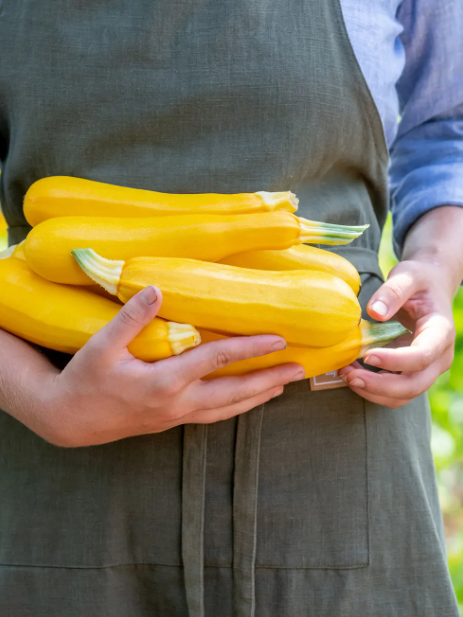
(419, 294)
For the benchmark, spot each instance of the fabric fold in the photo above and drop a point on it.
(193, 503)
(246, 485)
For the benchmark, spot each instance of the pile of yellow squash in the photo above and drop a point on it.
(226, 265)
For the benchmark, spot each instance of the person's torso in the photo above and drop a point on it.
(191, 97)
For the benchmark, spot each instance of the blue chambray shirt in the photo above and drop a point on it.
(411, 54)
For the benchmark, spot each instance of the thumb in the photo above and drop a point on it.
(131, 319)
(402, 284)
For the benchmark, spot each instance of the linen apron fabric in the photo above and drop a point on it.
(316, 504)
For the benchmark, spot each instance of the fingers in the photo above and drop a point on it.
(431, 342)
(228, 391)
(402, 359)
(347, 369)
(416, 367)
(225, 413)
(130, 321)
(196, 363)
(404, 281)
(405, 386)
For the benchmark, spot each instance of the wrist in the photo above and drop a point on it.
(439, 273)
(434, 241)
(438, 270)
(45, 415)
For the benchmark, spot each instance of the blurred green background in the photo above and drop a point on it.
(446, 399)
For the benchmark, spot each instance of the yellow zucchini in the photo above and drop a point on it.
(66, 196)
(318, 360)
(8, 252)
(17, 251)
(207, 237)
(64, 318)
(305, 307)
(301, 257)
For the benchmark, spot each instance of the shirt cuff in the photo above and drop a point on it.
(426, 172)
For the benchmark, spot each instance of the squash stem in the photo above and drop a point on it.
(380, 334)
(283, 201)
(314, 232)
(7, 252)
(105, 272)
(182, 337)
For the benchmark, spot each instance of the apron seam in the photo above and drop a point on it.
(193, 505)
(80, 567)
(359, 566)
(164, 565)
(245, 504)
(348, 567)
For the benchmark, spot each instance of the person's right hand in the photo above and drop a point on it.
(105, 394)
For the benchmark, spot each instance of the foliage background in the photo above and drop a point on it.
(446, 398)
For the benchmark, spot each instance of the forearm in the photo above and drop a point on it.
(436, 238)
(24, 374)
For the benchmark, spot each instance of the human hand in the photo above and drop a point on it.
(105, 394)
(419, 293)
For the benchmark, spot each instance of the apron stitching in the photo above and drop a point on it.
(77, 567)
(166, 565)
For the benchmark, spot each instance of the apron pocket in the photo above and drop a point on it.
(313, 485)
(95, 507)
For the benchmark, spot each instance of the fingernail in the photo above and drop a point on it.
(373, 360)
(279, 346)
(357, 383)
(149, 295)
(379, 308)
(298, 376)
(278, 393)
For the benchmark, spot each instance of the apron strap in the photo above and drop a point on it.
(246, 484)
(247, 455)
(363, 258)
(193, 500)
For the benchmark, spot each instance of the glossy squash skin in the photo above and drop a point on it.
(207, 237)
(66, 196)
(17, 252)
(316, 360)
(305, 307)
(302, 257)
(198, 236)
(63, 318)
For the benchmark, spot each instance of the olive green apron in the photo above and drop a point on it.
(317, 504)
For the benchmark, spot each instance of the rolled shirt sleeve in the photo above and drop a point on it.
(427, 155)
